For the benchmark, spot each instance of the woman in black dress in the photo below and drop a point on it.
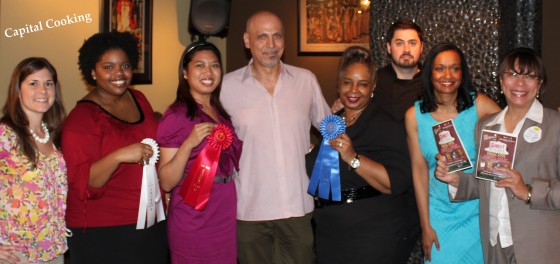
(372, 223)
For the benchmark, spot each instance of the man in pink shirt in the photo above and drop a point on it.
(273, 106)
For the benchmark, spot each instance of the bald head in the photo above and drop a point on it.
(260, 16)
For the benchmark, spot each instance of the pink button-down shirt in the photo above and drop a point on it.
(272, 182)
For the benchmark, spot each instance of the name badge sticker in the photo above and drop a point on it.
(532, 134)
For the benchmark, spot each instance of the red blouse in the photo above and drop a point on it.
(89, 133)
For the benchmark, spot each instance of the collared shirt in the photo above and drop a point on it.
(272, 182)
(499, 208)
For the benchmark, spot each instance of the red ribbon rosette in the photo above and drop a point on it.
(200, 178)
(221, 137)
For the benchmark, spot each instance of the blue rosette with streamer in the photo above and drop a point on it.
(326, 172)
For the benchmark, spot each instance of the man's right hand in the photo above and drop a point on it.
(336, 106)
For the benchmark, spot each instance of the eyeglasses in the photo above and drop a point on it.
(525, 77)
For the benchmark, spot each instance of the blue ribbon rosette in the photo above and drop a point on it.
(326, 172)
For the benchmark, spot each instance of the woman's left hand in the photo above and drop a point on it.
(514, 182)
(343, 144)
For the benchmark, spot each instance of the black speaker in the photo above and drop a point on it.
(209, 18)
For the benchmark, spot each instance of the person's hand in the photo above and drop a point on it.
(136, 153)
(343, 144)
(442, 173)
(198, 133)
(429, 237)
(6, 254)
(514, 182)
(336, 106)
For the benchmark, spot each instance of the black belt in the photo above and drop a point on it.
(222, 179)
(226, 179)
(349, 196)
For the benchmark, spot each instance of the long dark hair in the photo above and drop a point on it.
(15, 117)
(183, 90)
(466, 93)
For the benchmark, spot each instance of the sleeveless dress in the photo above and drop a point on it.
(455, 223)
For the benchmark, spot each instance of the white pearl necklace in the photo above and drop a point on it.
(47, 134)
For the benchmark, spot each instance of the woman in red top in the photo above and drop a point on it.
(101, 144)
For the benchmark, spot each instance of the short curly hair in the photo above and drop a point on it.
(95, 46)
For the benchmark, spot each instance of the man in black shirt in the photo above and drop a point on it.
(398, 86)
(399, 83)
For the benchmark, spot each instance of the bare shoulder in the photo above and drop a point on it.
(485, 105)
(410, 117)
(484, 99)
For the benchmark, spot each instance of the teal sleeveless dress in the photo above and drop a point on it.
(455, 223)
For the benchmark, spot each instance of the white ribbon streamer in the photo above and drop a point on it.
(151, 204)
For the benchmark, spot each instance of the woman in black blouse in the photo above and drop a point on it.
(376, 221)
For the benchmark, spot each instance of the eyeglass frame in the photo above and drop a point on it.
(525, 77)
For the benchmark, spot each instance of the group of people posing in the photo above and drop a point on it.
(75, 181)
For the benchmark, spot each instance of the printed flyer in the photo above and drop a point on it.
(449, 144)
(496, 150)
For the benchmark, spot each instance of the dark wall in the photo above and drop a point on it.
(325, 67)
(551, 52)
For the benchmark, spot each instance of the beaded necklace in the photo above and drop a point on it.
(39, 139)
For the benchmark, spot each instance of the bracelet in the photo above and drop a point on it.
(529, 193)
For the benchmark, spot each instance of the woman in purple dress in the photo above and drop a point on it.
(207, 235)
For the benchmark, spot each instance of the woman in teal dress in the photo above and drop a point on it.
(450, 231)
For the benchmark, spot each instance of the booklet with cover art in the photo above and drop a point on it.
(496, 150)
(450, 145)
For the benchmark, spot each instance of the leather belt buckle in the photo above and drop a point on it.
(349, 195)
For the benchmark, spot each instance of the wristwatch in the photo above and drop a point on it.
(355, 163)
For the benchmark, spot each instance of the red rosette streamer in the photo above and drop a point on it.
(221, 137)
(200, 178)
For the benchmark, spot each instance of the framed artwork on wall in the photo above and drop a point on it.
(328, 27)
(134, 16)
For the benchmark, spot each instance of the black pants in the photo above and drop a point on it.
(119, 245)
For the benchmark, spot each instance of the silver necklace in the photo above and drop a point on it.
(45, 130)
